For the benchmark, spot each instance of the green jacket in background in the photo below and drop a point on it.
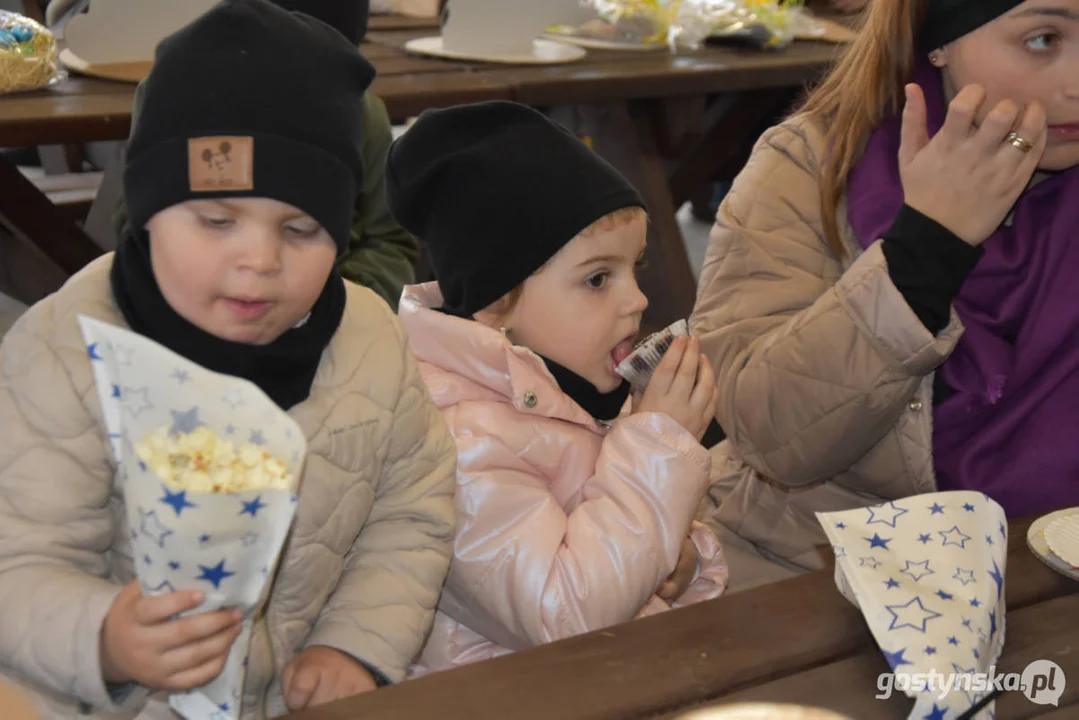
(382, 254)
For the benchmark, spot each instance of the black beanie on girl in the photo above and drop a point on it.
(948, 20)
(495, 189)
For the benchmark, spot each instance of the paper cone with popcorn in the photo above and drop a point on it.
(927, 573)
(209, 466)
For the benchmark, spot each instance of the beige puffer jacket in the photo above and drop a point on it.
(826, 373)
(360, 572)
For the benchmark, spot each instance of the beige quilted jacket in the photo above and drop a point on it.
(825, 371)
(361, 571)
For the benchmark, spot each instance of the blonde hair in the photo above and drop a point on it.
(611, 221)
(864, 88)
(624, 216)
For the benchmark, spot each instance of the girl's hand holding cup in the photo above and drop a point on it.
(683, 387)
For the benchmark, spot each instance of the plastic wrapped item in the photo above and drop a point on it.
(29, 57)
(763, 24)
(643, 21)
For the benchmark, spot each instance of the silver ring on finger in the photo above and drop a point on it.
(1019, 142)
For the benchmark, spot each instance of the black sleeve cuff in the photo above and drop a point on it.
(380, 678)
(928, 264)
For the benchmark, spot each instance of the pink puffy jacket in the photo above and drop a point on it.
(564, 526)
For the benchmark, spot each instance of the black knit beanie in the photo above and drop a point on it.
(495, 190)
(284, 122)
(948, 20)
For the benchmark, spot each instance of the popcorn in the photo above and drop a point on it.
(202, 462)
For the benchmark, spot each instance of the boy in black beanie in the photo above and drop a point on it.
(240, 205)
(380, 253)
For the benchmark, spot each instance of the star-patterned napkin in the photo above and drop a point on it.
(226, 545)
(928, 574)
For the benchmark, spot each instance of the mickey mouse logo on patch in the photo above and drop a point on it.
(221, 163)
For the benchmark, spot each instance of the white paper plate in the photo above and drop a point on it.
(598, 44)
(129, 72)
(544, 52)
(1039, 546)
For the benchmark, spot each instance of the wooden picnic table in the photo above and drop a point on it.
(658, 131)
(796, 641)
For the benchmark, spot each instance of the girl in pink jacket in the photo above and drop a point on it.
(574, 511)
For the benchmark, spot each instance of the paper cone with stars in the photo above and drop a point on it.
(222, 544)
(928, 575)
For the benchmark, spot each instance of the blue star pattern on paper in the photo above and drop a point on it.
(147, 559)
(930, 650)
(151, 526)
(944, 596)
(955, 537)
(977, 655)
(137, 400)
(997, 578)
(1003, 532)
(124, 355)
(214, 574)
(974, 602)
(895, 659)
(180, 376)
(116, 393)
(885, 514)
(891, 583)
(992, 624)
(964, 576)
(869, 562)
(233, 398)
(840, 551)
(968, 507)
(224, 707)
(924, 539)
(177, 500)
(936, 509)
(966, 624)
(203, 539)
(916, 570)
(841, 526)
(953, 640)
(257, 438)
(912, 617)
(935, 714)
(165, 587)
(173, 565)
(91, 349)
(252, 508)
(878, 542)
(184, 421)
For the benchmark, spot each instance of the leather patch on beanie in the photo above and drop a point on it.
(216, 164)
